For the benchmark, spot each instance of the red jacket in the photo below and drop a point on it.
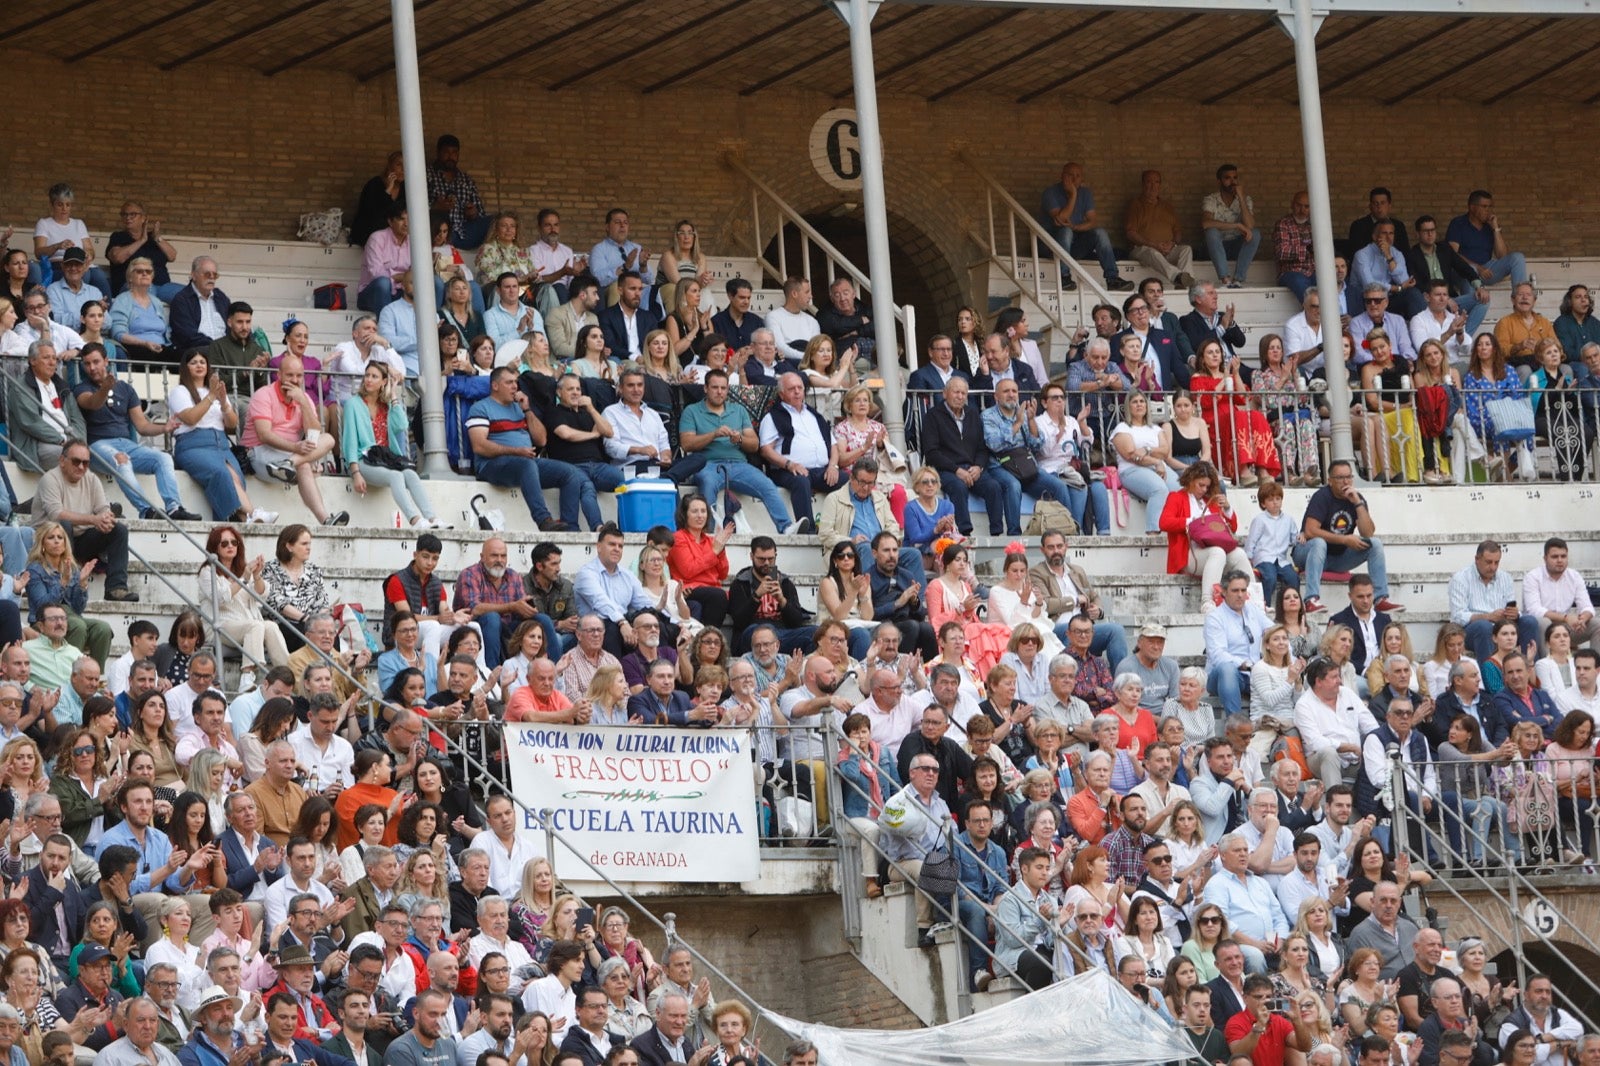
(696, 563)
(1174, 523)
(306, 1026)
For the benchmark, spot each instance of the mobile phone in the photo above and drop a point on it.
(585, 916)
(1511, 605)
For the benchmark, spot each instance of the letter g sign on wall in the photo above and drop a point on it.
(836, 149)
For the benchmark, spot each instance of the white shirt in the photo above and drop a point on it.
(64, 339)
(399, 977)
(1299, 336)
(276, 900)
(211, 324)
(118, 674)
(1335, 846)
(548, 260)
(1375, 760)
(1573, 699)
(547, 995)
(1567, 593)
(516, 955)
(180, 705)
(505, 867)
(1424, 327)
(347, 359)
(323, 768)
(809, 449)
(642, 430)
(1282, 848)
(1322, 727)
(789, 326)
(890, 727)
(630, 323)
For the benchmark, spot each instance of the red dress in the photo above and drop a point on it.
(1240, 437)
(986, 641)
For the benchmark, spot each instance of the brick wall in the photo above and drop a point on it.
(225, 151)
(788, 954)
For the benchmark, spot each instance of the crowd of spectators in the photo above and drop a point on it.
(306, 869)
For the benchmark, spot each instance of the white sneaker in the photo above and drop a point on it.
(261, 517)
(247, 680)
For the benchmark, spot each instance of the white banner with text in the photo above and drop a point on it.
(646, 803)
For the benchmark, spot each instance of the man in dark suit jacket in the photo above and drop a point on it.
(1206, 322)
(1227, 988)
(952, 443)
(1362, 618)
(186, 315)
(588, 1038)
(999, 365)
(51, 884)
(1465, 695)
(1452, 269)
(668, 1040)
(251, 857)
(1161, 346)
(1154, 292)
(927, 381)
(615, 320)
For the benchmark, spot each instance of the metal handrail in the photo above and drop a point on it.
(809, 236)
(1015, 213)
(1517, 883)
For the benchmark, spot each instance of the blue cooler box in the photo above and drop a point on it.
(647, 502)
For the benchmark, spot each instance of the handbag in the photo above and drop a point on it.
(329, 297)
(1212, 531)
(1021, 464)
(1512, 418)
(377, 455)
(941, 873)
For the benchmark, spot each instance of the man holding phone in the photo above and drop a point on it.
(1482, 596)
(286, 444)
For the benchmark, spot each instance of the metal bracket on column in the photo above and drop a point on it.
(1286, 22)
(842, 9)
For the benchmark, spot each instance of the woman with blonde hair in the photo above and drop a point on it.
(929, 515)
(826, 373)
(1393, 443)
(682, 262)
(1328, 952)
(859, 435)
(421, 879)
(657, 358)
(1338, 643)
(687, 323)
(671, 601)
(608, 695)
(173, 947)
(732, 1022)
(22, 771)
(534, 902)
(1394, 640)
(55, 577)
(1439, 420)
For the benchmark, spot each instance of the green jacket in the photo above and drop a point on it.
(357, 435)
(27, 426)
(78, 808)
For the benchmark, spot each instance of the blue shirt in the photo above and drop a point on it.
(986, 880)
(865, 523)
(111, 421)
(1369, 268)
(66, 306)
(1000, 433)
(1470, 594)
(607, 258)
(1055, 198)
(1251, 907)
(1233, 638)
(502, 325)
(1475, 245)
(611, 594)
(154, 854)
(506, 422)
(398, 324)
(738, 336)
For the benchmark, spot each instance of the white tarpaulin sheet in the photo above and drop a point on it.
(1087, 1020)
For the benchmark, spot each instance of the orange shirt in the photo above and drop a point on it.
(525, 700)
(352, 800)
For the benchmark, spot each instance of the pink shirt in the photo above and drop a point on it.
(285, 418)
(384, 257)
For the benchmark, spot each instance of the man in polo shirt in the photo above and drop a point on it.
(577, 436)
(722, 434)
(1475, 236)
(281, 431)
(504, 432)
(794, 443)
(541, 701)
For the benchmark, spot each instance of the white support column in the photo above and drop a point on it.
(430, 378)
(858, 14)
(1302, 28)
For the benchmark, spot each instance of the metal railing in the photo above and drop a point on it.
(1531, 822)
(1404, 437)
(835, 262)
(1010, 251)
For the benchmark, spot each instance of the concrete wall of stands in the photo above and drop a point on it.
(225, 151)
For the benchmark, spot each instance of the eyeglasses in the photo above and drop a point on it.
(1160, 859)
(82, 750)
(925, 769)
(304, 912)
(77, 463)
(1376, 299)
(494, 972)
(1209, 919)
